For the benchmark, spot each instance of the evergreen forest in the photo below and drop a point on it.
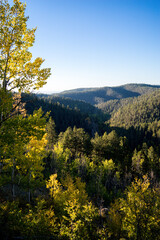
(82, 164)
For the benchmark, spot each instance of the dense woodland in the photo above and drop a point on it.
(68, 169)
(67, 112)
(102, 95)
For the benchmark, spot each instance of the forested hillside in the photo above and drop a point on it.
(113, 105)
(67, 113)
(138, 111)
(67, 171)
(72, 104)
(100, 95)
(136, 118)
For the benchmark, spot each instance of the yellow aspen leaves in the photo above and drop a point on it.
(17, 71)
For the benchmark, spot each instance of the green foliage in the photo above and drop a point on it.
(138, 213)
(110, 146)
(64, 116)
(6, 102)
(104, 94)
(16, 69)
(51, 133)
(67, 191)
(40, 221)
(113, 106)
(146, 161)
(28, 222)
(71, 203)
(22, 151)
(76, 140)
(81, 173)
(142, 110)
(69, 103)
(11, 222)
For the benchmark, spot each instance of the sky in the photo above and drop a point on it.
(96, 43)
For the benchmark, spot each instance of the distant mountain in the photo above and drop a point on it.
(104, 94)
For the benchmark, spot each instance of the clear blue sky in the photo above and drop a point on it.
(96, 43)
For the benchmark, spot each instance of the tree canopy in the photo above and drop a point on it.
(17, 71)
(67, 184)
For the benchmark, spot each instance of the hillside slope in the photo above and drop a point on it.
(144, 109)
(100, 95)
(67, 113)
(82, 106)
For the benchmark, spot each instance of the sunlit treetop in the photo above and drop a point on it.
(17, 70)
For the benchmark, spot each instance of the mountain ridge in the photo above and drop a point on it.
(104, 94)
